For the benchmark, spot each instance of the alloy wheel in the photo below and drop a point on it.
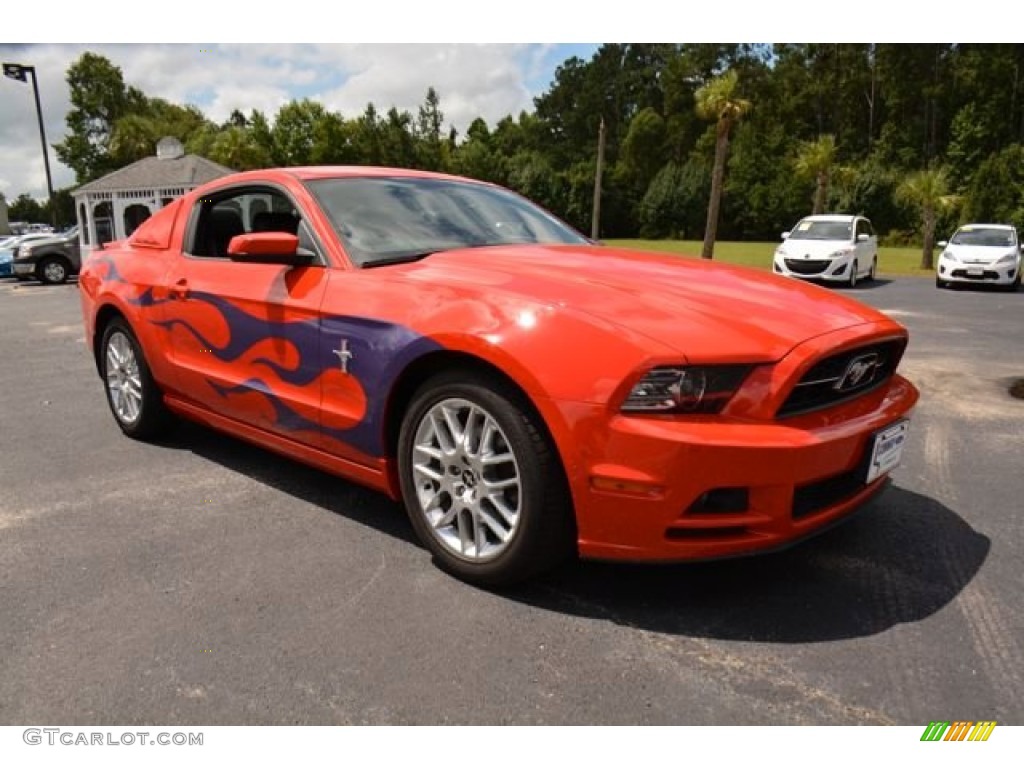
(468, 483)
(124, 382)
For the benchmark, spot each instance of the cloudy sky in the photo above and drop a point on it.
(473, 80)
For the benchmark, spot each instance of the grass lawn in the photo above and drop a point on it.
(891, 261)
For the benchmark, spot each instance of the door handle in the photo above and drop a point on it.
(179, 290)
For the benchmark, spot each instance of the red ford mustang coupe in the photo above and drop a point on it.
(527, 393)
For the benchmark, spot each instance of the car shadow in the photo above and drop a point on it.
(870, 285)
(902, 559)
(983, 288)
(326, 491)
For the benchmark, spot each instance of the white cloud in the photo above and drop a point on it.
(472, 80)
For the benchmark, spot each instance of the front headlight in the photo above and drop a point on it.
(1009, 258)
(24, 252)
(948, 255)
(685, 389)
(840, 254)
(781, 252)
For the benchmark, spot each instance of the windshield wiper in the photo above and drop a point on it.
(403, 259)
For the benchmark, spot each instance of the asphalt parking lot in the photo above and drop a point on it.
(207, 581)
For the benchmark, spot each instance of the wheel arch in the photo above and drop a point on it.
(104, 315)
(425, 366)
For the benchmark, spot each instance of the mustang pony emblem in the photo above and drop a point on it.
(860, 370)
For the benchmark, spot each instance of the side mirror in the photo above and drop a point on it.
(268, 248)
(785, 235)
(942, 243)
(862, 237)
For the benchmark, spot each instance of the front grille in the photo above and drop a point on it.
(837, 379)
(807, 266)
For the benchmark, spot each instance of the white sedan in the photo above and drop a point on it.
(834, 248)
(980, 253)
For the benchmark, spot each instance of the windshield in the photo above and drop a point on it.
(383, 220)
(822, 230)
(997, 238)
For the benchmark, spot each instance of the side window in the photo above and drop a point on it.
(241, 211)
(867, 228)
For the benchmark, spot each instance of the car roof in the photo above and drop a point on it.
(831, 217)
(311, 173)
(1007, 227)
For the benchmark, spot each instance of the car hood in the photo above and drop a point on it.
(815, 249)
(45, 241)
(979, 254)
(704, 310)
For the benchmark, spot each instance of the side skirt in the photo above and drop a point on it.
(375, 477)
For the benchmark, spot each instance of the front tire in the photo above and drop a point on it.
(482, 482)
(852, 281)
(52, 270)
(873, 274)
(940, 283)
(134, 398)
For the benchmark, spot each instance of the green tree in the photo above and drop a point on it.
(99, 98)
(398, 145)
(26, 208)
(237, 148)
(367, 139)
(643, 152)
(429, 123)
(997, 192)
(927, 192)
(476, 157)
(718, 101)
(814, 160)
(295, 131)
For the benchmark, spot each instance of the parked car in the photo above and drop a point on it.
(50, 260)
(9, 246)
(527, 393)
(980, 253)
(832, 247)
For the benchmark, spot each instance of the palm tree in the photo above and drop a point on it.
(814, 160)
(718, 101)
(928, 192)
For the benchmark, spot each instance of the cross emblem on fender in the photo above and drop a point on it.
(344, 355)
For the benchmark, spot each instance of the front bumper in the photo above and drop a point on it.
(827, 269)
(666, 489)
(989, 274)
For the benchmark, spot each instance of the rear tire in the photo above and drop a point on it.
(134, 398)
(482, 482)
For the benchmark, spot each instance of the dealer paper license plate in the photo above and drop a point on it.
(887, 449)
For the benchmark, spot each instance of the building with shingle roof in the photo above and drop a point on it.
(111, 207)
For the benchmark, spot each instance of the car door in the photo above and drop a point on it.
(865, 246)
(245, 337)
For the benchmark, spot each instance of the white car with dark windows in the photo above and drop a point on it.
(834, 248)
(980, 253)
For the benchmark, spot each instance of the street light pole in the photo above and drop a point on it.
(18, 72)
